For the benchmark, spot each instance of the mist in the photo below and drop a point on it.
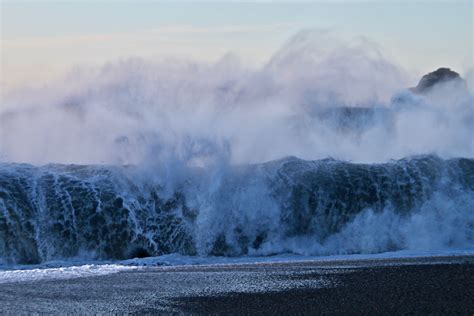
(177, 112)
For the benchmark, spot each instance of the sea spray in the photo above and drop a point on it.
(139, 158)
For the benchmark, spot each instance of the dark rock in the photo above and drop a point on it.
(440, 76)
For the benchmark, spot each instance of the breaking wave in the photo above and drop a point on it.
(140, 158)
(290, 205)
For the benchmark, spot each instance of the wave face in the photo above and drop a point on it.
(290, 205)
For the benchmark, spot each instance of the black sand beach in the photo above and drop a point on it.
(413, 285)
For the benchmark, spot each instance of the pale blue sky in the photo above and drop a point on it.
(43, 39)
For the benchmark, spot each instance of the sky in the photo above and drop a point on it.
(41, 40)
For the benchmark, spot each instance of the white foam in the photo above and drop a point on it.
(61, 273)
(175, 260)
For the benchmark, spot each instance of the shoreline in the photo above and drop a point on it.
(391, 285)
(177, 260)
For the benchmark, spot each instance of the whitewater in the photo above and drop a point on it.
(324, 151)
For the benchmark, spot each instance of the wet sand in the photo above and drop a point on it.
(411, 285)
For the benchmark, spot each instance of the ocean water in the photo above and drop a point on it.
(306, 157)
(311, 208)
